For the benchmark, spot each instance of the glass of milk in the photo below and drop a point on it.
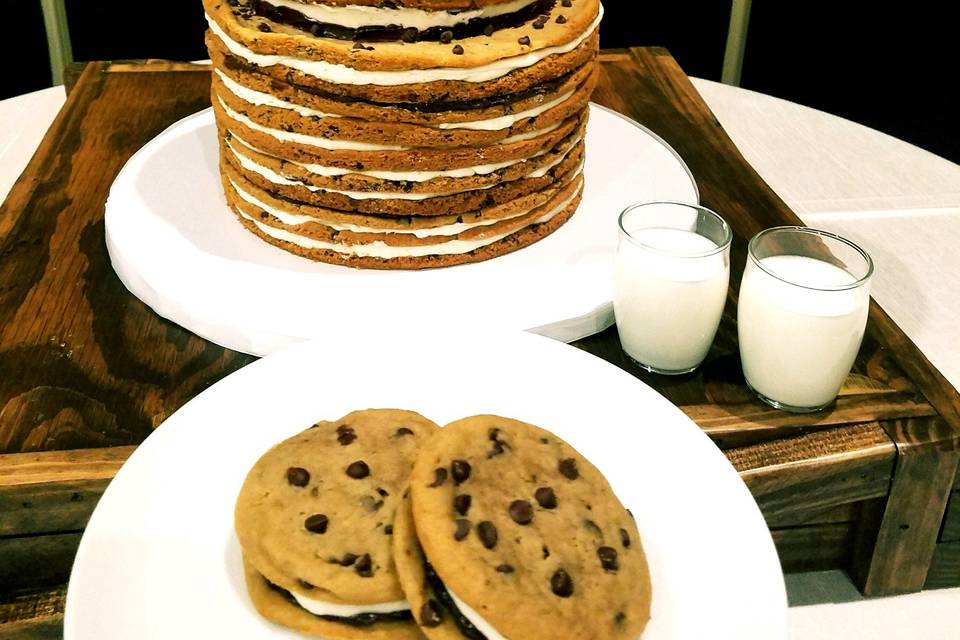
(801, 316)
(671, 274)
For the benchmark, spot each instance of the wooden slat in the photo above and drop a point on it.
(951, 521)
(846, 512)
(56, 490)
(816, 548)
(908, 529)
(945, 567)
(817, 470)
(37, 561)
(744, 424)
(33, 615)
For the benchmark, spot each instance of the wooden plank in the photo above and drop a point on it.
(945, 567)
(951, 521)
(846, 512)
(743, 424)
(33, 615)
(54, 491)
(907, 531)
(816, 548)
(85, 363)
(37, 561)
(817, 470)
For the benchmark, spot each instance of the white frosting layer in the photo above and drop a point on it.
(410, 176)
(482, 625)
(358, 16)
(493, 124)
(381, 249)
(266, 100)
(272, 176)
(351, 145)
(342, 74)
(323, 608)
(313, 141)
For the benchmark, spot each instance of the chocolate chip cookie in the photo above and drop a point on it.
(315, 521)
(522, 537)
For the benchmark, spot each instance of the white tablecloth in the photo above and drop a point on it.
(899, 202)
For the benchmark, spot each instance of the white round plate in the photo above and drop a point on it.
(176, 245)
(159, 558)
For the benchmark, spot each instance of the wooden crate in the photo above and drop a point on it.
(87, 371)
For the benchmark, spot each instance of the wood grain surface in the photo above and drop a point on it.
(87, 371)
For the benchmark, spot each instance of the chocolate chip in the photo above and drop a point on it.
(505, 568)
(566, 3)
(525, 41)
(488, 534)
(462, 504)
(364, 566)
(357, 46)
(388, 530)
(540, 22)
(546, 552)
(568, 467)
(317, 523)
(460, 470)
(358, 470)
(303, 584)
(347, 560)
(561, 19)
(383, 492)
(298, 476)
(593, 527)
(608, 558)
(439, 477)
(619, 618)
(370, 503)
(346, 438)
(458, 50)
(463, 529)
(446, 37)
(430, 614)
(561, 584)
(625, 538)
(410, 34)
(521, 511)
(546, 498)
(264, 27)
(404, 431)
(496, 450)
(544, 440)
(488, 30)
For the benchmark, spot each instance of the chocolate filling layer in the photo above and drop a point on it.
(440, 590)
(359, 620)
(239, 64)
(392, 32)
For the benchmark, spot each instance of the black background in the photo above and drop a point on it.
(893, 68)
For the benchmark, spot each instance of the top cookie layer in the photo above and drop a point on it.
(267, 43)
(529, 534)
(429, 5)
(315, 513)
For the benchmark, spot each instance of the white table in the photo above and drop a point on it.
(899, 202)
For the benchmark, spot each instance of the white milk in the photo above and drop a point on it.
(798, 344)
(668, 306)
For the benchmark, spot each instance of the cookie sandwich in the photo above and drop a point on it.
(315, 521)
(509, 532)
(402, 135)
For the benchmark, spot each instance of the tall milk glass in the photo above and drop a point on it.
(802, 313)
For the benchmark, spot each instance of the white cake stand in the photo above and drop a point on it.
(176, 245)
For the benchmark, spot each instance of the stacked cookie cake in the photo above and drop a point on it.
(402, 133)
